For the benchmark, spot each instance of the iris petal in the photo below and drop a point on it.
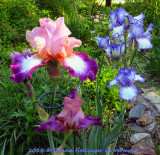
(137, 19)
(87, 122)
(139, 78)
(112, 83)
(144, 43)
(128, 93)
(23, 65)
(118, 31)
(136, 30)
(80, 65)
(52, 125)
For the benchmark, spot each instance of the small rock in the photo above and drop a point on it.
(137, 128)
(146, 90)
(146, 150)
(131, 104)
(158, 131)
(140, 100)
(152, 97)
(137, 111)
(158, 107)
(151, 128)
(144, 144)
(135, 138)
(146, 119)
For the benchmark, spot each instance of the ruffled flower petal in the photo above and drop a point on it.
(73, 93)
(80, 65)
(113, 18)
(121, 14)
(71, 43)
(108, 50)
(118, 31)
(112, 83)
(136, 30)
(48, 39)
(23, 65)
(87, 122)
(52, 125)
(128, 93)
(147, 33)
(144, 43)
(102, 42)
(110, 27)
(137, 19)
(117, 50)
(139, 78)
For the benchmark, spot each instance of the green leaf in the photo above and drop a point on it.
(92, 141)
(3, 149)
(115, 133)
(11, 152)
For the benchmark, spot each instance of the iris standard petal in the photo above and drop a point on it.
(102, 42)
(48, 39)
(121, 14)
(113, 18)
(128, 93)
(118, 31)
(136, 30)
(80, 65)
(137, 19)
(87, 122)
(23, 65)
(116, 50)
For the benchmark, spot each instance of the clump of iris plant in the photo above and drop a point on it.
(125, 28)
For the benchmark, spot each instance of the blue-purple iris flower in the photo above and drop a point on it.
(112, 50)
(125, 79)
(121, 23)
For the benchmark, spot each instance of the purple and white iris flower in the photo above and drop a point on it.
(52, 42)
(125, 79)
(71, 117)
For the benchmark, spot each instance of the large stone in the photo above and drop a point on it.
(146, 119)
(137, 111)
(135, 138)
(152, 97)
